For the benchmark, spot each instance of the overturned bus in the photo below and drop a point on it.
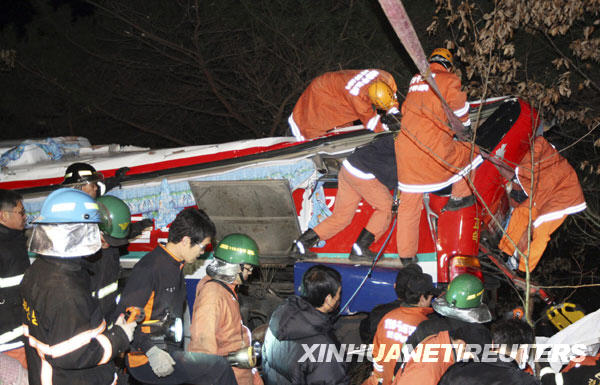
(274, 188)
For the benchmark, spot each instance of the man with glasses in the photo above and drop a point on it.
(157, 285)
(217, 326)
(13, 263)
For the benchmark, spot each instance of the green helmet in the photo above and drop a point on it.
(465, 292)
(237, 249)
(116, 220)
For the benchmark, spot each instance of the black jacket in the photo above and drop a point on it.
(471, 333)
(157, 284)
(378, 158)
(105, 279)
(13, 263)
(368, 326)
(294, 323)
(487, 373)
(65, 326)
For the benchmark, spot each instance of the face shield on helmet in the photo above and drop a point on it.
(232, 253)
(381, 95)
(67, 226)
(116, 220)
(442, 56)
(463, 300)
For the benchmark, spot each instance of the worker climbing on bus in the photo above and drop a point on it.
(553, 193)
(338, 98)
(428, 155)
(368, 173)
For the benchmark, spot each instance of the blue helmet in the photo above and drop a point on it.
(68, 205)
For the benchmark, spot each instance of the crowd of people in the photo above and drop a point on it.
(66, 320)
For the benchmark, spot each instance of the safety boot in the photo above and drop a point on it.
(455, 204)
(360, 248)
(409, 261)
(301, 246)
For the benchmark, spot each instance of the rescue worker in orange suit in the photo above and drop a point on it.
(434, 355)
(428, 156)
(67, 339)
(397, 325)
(157, 285)
(556, 194)
(368, 173)
(217, 326)
(13, 263)
(335, 99)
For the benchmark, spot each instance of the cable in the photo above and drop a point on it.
(375, 260)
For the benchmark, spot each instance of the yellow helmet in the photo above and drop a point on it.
(381, 95)
(442, 56)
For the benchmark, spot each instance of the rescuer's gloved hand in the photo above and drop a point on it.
(128, 328)
(160, 361)
(116, 180)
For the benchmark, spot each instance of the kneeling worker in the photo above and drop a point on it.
(157, 285)
(217, 326)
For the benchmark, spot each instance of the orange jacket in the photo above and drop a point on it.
(431, 364)
(392, 332)
(217, 326)
(556, 188)
(335, 99)
(428, 157)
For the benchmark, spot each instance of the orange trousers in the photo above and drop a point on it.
(517, 231)
(409, 217)
(351, 190)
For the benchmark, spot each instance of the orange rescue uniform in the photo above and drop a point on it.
(392, 332)
(428, 157)
(335, 99)
(217, 326)
(434, 355)
(556, 194)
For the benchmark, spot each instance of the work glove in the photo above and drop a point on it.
(160, 361)
(392, 121)
(116, 180)
(128, 328)
(138, 227)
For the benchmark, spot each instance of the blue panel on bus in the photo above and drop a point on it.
(377, 289)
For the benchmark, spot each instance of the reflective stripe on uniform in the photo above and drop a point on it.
(295, 129)
(363, 78)
(421, 188)
(106, 290)
(558, 378)
(10, 335)
(11, 281)
(377, 367)
(11, 346)
(559, 214)
(372, 123)
(356, 172)
(68, 346)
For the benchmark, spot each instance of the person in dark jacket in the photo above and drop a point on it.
(301, 325)
(157, 285)
(67, 339)
(501, 368)
(13, 263)
(368, 173)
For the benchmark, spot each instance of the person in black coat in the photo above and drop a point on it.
(501, 368)
(300, 328)
(13, 263)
